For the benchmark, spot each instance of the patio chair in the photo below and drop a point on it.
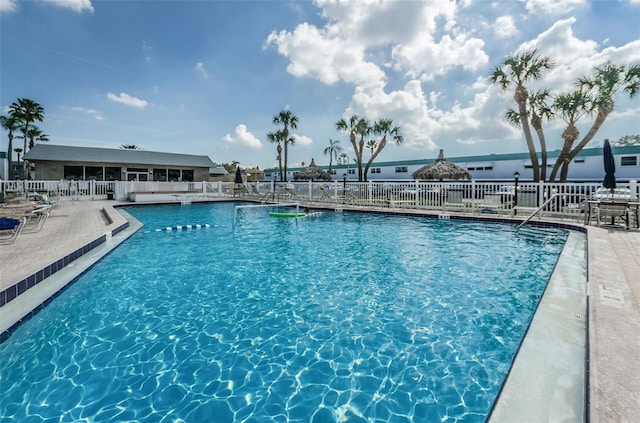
(613, 209)
(10, 229)
(240, 190)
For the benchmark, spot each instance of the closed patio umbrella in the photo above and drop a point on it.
(312, 173)
(441, 170)
(609, 167)
(238, 179)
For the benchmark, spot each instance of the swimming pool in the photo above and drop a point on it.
(327, 318)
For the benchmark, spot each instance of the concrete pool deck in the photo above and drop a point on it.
(613, 286)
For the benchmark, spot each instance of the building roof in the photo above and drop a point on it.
(63, 153)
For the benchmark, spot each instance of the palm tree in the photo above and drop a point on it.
(26, 111)
(519, 70)
(371, 145)
(355, 126)
(277, 137)
(569, 107)
(129, 147)
(333, 150)
(287, 120)
(11, 124)
(385, 128)
(540, 111)
(36, 135)
(18, 151)
(600, 88)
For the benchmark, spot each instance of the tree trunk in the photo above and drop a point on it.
(279, 149)
(359, 157)
(381, 145)
(286, 159)
(536, 122)
(10, 157)
(520, 97)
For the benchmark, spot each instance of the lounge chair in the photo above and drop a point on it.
(36, 219)
(327, 196)
(254, 191)
(10, 229)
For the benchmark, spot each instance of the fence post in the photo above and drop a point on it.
(541, 193)
(633, 187)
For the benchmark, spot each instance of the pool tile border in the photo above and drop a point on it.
(12, 292)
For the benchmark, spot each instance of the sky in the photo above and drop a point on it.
(207, 77)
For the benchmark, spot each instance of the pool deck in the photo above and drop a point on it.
(613, 286)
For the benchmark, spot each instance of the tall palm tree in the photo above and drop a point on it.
(11, 124)
(385, 128)
(540, 110)
(355, 126)
(27, 111)
(601, 88)
(519, 70)
(333, 150)
(287, 120)
(277, 137)
(129, 147)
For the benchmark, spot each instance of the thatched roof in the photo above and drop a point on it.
(441, 170)
(312, 172)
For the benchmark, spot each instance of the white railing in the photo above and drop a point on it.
(474, 196)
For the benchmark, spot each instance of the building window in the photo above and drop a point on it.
(93, 172)
(174, 175)
(401, 169)
(160, 175)
(187, 175)
(629, 161)
(112, 173)
(575, 161)
(352, 171)
(73, 173)
(375, 170)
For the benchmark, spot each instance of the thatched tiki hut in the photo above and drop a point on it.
(442, 170)
(312, 173)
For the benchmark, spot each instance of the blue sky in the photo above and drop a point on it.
(207, 77)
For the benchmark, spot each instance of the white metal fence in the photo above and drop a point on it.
(474, 196)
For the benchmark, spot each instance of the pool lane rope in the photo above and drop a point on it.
(183, 227)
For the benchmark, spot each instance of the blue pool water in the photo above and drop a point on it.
(333, 317)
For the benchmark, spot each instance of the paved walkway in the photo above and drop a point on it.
(613, 287)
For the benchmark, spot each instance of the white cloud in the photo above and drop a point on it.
(92, 112)
(504, 27)
(75, 5)
(408, 108)
(302, 139)
(8, 6)
(243, 137)
(553, 7)
(201, 70)
(126, 99)
(146, 51)
(321, 54)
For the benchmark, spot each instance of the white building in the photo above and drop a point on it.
(587, 166)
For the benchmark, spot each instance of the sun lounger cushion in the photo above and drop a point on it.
(8, 223)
